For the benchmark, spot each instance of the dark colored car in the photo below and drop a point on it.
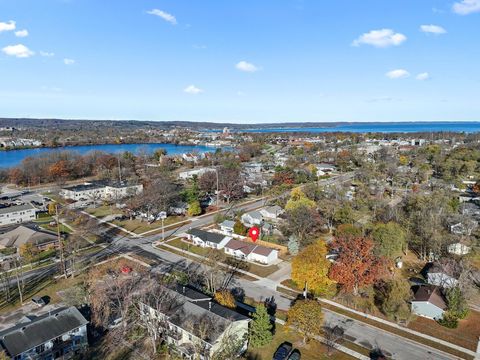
(37, 300)
(283, 351)
(295, 355)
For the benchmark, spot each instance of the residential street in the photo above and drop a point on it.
(356, 331)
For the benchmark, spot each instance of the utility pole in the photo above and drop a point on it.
(60, 243)
(119, 169)
(218, 192)
(163, 216)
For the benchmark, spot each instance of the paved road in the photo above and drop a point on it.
(365, 335)
(397, 347)
(393, 346)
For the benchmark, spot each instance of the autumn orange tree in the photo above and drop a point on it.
(59, 170)
(311, 267)
(357, 265)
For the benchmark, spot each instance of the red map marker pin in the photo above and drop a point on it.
(253, 233)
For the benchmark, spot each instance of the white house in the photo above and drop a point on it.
(251, 252)
(428, 302)
(252, 218)
(207, 239)
(227, 227)
(190, 157)
(437, 276)
(463, 228)
(271, 212)
(100, 190)
(58, 334)
(324, 169)
(17, 214)
(458, 248)
(253, 168)
(184, 175)
(196, 325)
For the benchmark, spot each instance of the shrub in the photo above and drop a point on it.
(449, 320)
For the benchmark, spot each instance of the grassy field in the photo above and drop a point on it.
(48, 287)
(139, 227)
(102, 211)
(313, 350)
(465, 335)
(63, 228)
(401, 332)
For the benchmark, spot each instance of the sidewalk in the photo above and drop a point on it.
(402, 328)
(274, 285)
(100, 221)
(336, 346)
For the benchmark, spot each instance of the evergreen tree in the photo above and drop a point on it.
(293, 245)
(395, 300)
(457, 304)
(260, 333)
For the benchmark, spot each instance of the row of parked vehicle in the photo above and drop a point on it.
(287, 352)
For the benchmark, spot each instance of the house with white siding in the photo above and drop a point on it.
(428, 302)
(17, 214)
(195, 325)
(58, 334)
(251, 252)
(207, 239)
(97, 190)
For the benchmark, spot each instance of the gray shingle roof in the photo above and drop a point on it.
(207, 236)
(26, 336)
(10, 209)
(191, 309)
(228, 223)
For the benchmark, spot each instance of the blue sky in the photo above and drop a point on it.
(242, 61)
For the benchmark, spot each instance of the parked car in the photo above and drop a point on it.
(295, 355)
(283, 351)
(37, 300)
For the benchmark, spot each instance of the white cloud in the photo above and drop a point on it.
(68, 61)
(21, 33)
(433, 29)
(7, 26)
(397, 74)
(380, 38)
(164, 15)
(423, 76)
(192, 89)
(466, 7)
(246, 66)
(199, 47)
(19, 50)
(46, 53)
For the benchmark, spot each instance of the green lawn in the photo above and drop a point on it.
(102, 211)
(313, 350)
(139, 227)
(63, 228)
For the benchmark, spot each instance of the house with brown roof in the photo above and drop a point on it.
(251, 252)
(429, 302)
(24, 234)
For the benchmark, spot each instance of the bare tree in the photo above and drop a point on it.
(333, 334)
(214, 273)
